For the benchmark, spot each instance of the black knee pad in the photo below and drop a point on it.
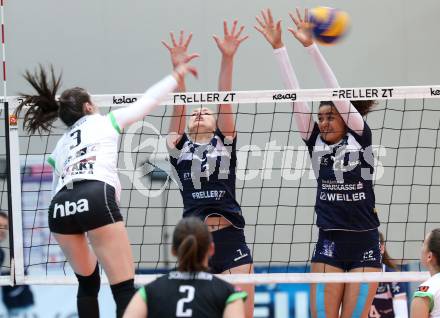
(89, 285)
(122, 294)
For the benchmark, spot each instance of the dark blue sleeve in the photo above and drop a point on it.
(227, 143)
(174, 152)
(223, 138)
(310, 143)
(182, 141)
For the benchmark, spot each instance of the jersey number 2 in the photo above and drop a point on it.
(189, 292)
(76, 135)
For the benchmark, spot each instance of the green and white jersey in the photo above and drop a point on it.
(431, 290)
(88, 151)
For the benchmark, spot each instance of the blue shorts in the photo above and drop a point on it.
(231, 250)
(348, 250)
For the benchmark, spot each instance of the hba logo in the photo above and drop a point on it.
(70, 208)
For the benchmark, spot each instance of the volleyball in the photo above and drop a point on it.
(329, 24)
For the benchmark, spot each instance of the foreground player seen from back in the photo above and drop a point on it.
(190, 291)
(339, 144)
(426, 301)
(86, 187)
(205, 159)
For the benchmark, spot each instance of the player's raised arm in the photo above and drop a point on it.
(178, 50)
(303, 33)
(228, 46)
(271, 31)
(152, 97)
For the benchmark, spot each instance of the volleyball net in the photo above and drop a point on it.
(275, 186)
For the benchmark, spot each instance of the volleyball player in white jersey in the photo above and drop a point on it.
(204, 160)
(339, 144)
(426, 301)
(86, 187)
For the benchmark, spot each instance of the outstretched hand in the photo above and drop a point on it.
(230, 42)
(270, 30)
(303, 32)
(179, 49)
(183, 69)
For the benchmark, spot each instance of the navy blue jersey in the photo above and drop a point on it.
(344, 171)
(382, 306)
(181, 294)
(207, 177)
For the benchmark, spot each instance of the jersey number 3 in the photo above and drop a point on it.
(189, 292)
(77, 136)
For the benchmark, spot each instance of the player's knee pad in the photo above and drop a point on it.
(88, 286)
(122, 294)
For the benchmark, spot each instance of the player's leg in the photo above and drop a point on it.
(366, 257)
(102, 221)
(326, 299)
(85, 266)
(248, 288)
(358, 297)
(233, 256)
(72, 240)
(112, 247)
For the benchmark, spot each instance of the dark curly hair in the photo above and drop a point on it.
(362, 106)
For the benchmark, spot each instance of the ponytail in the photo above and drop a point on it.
(188, 255)
(43, 107)
(191, 241)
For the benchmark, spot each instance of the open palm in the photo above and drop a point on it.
(179, 49)
(269, 29)
(303, 32)
(229, 44)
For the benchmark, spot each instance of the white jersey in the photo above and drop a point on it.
(431, 290)
(88, 151)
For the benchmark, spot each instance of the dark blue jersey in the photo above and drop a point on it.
(196, 295)
(207, 177)
(382, 306)
(344, 171)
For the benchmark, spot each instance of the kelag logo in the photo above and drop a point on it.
(117, 100)
(435, 92)
(289, 96)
